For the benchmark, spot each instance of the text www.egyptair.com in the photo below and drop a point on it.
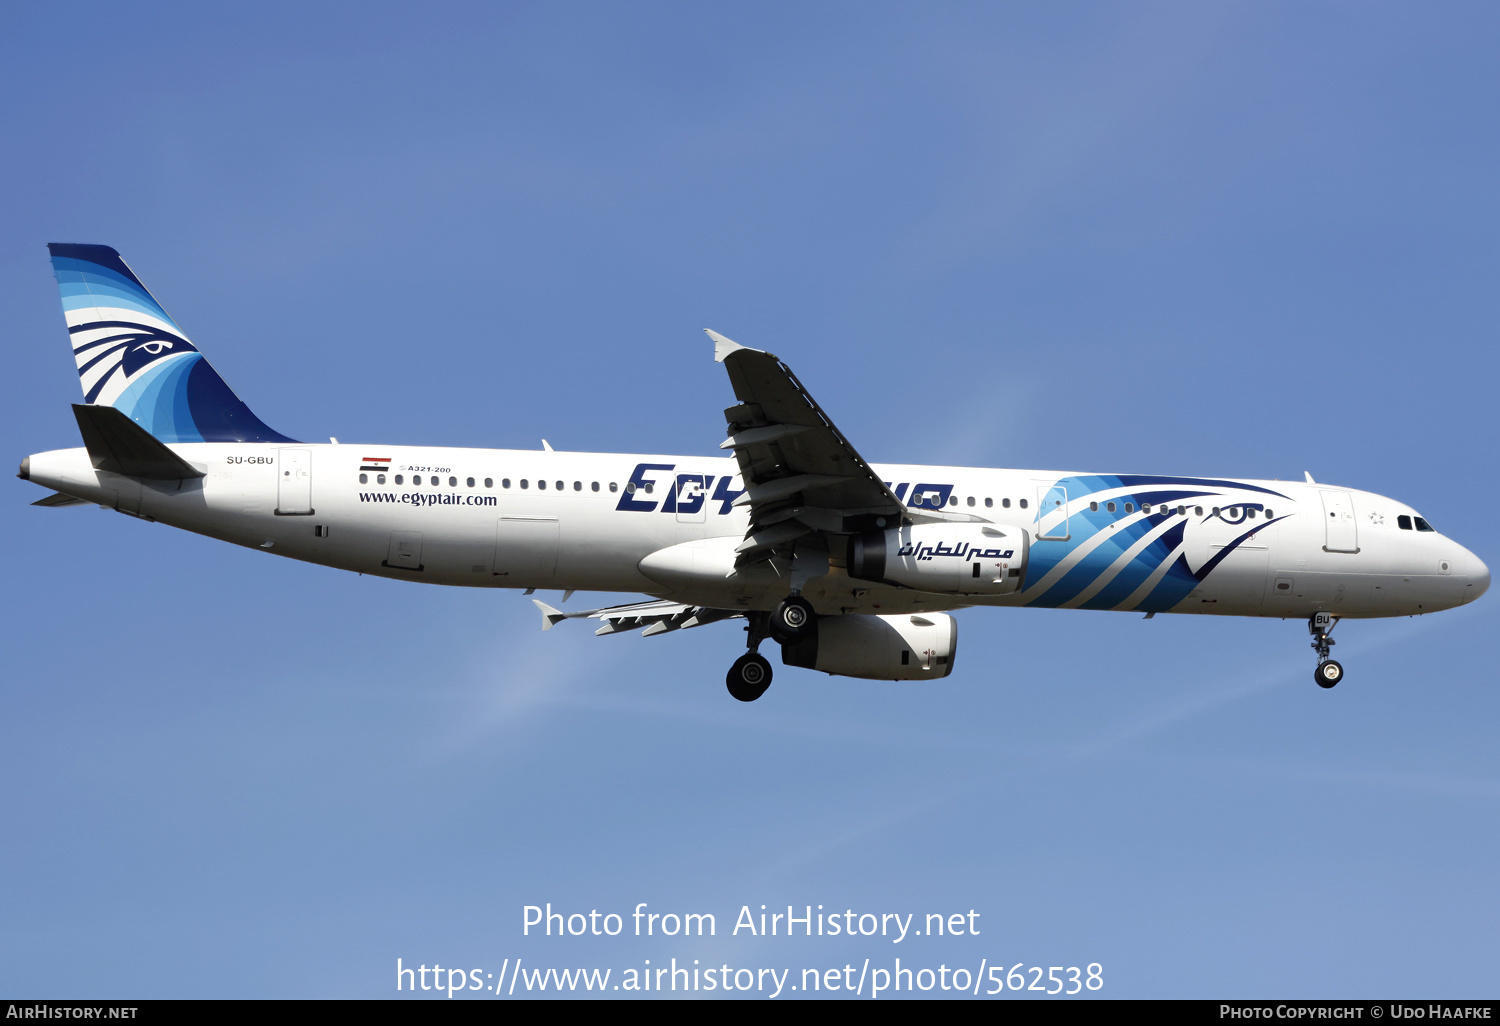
(516, 977)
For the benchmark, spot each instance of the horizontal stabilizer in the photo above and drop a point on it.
(119, 445)
(59, 499)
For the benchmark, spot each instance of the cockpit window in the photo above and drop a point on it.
(1404, 522)
(1423, 525)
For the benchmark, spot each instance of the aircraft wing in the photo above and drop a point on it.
(658, 617)
(801, 475)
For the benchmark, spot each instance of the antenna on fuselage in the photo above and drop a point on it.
(1308, 474)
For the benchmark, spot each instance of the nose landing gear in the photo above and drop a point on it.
(1329, 671)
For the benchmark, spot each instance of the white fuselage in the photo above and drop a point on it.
(667, 526)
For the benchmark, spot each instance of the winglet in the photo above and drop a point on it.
(550, 617)
(1308, 474)
(722, 346)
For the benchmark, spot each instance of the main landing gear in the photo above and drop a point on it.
(751, 673)
(790, 622)
(749, 677)
(792, 619)
(1329, 671)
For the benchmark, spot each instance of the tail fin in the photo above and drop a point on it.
(135, 358)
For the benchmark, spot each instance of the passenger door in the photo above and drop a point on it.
(293, 482)
(1338, 518)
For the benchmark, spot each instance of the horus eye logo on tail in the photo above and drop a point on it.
(115, 352)
(131, 355)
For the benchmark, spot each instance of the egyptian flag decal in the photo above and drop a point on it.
(380, 463)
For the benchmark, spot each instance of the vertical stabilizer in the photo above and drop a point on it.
(132, 356)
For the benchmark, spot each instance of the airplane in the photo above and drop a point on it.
(852, 568)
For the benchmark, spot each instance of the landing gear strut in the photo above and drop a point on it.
(1329, 671)
(751, 673)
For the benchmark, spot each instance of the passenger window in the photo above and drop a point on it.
(1216, 511)
(471, 482)
(1110, 506)
(559, 486)
(489, 482)
(1023, 503)
(505, 482)
(1093, 507)
(1145, 507)
(1005, 503)
(1250, 514)
(650, 487)
(524, 483)
(613, 486)
(1182, 511)
(1404, 522)
(1269, 514)
(953, 500)
(988, 502)
(1197, 511)
(629, 488)
(1423, 525)
(578, 486)
(539, 484)
(364, 479)
(595, 486)
(380, 479)
(1130, 507)
(453, 482)
(971, 500)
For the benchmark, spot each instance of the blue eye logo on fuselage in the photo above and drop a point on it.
(1237, 513)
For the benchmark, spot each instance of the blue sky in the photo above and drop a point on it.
(1219, 239)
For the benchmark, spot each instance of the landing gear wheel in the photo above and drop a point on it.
(792, 619)
(1328, 673)
(749, 677)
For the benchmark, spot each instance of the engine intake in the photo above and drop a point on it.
(912, 646)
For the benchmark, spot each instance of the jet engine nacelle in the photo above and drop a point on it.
(954, 559)
(911, 646)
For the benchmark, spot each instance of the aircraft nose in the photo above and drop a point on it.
(1479, 578)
